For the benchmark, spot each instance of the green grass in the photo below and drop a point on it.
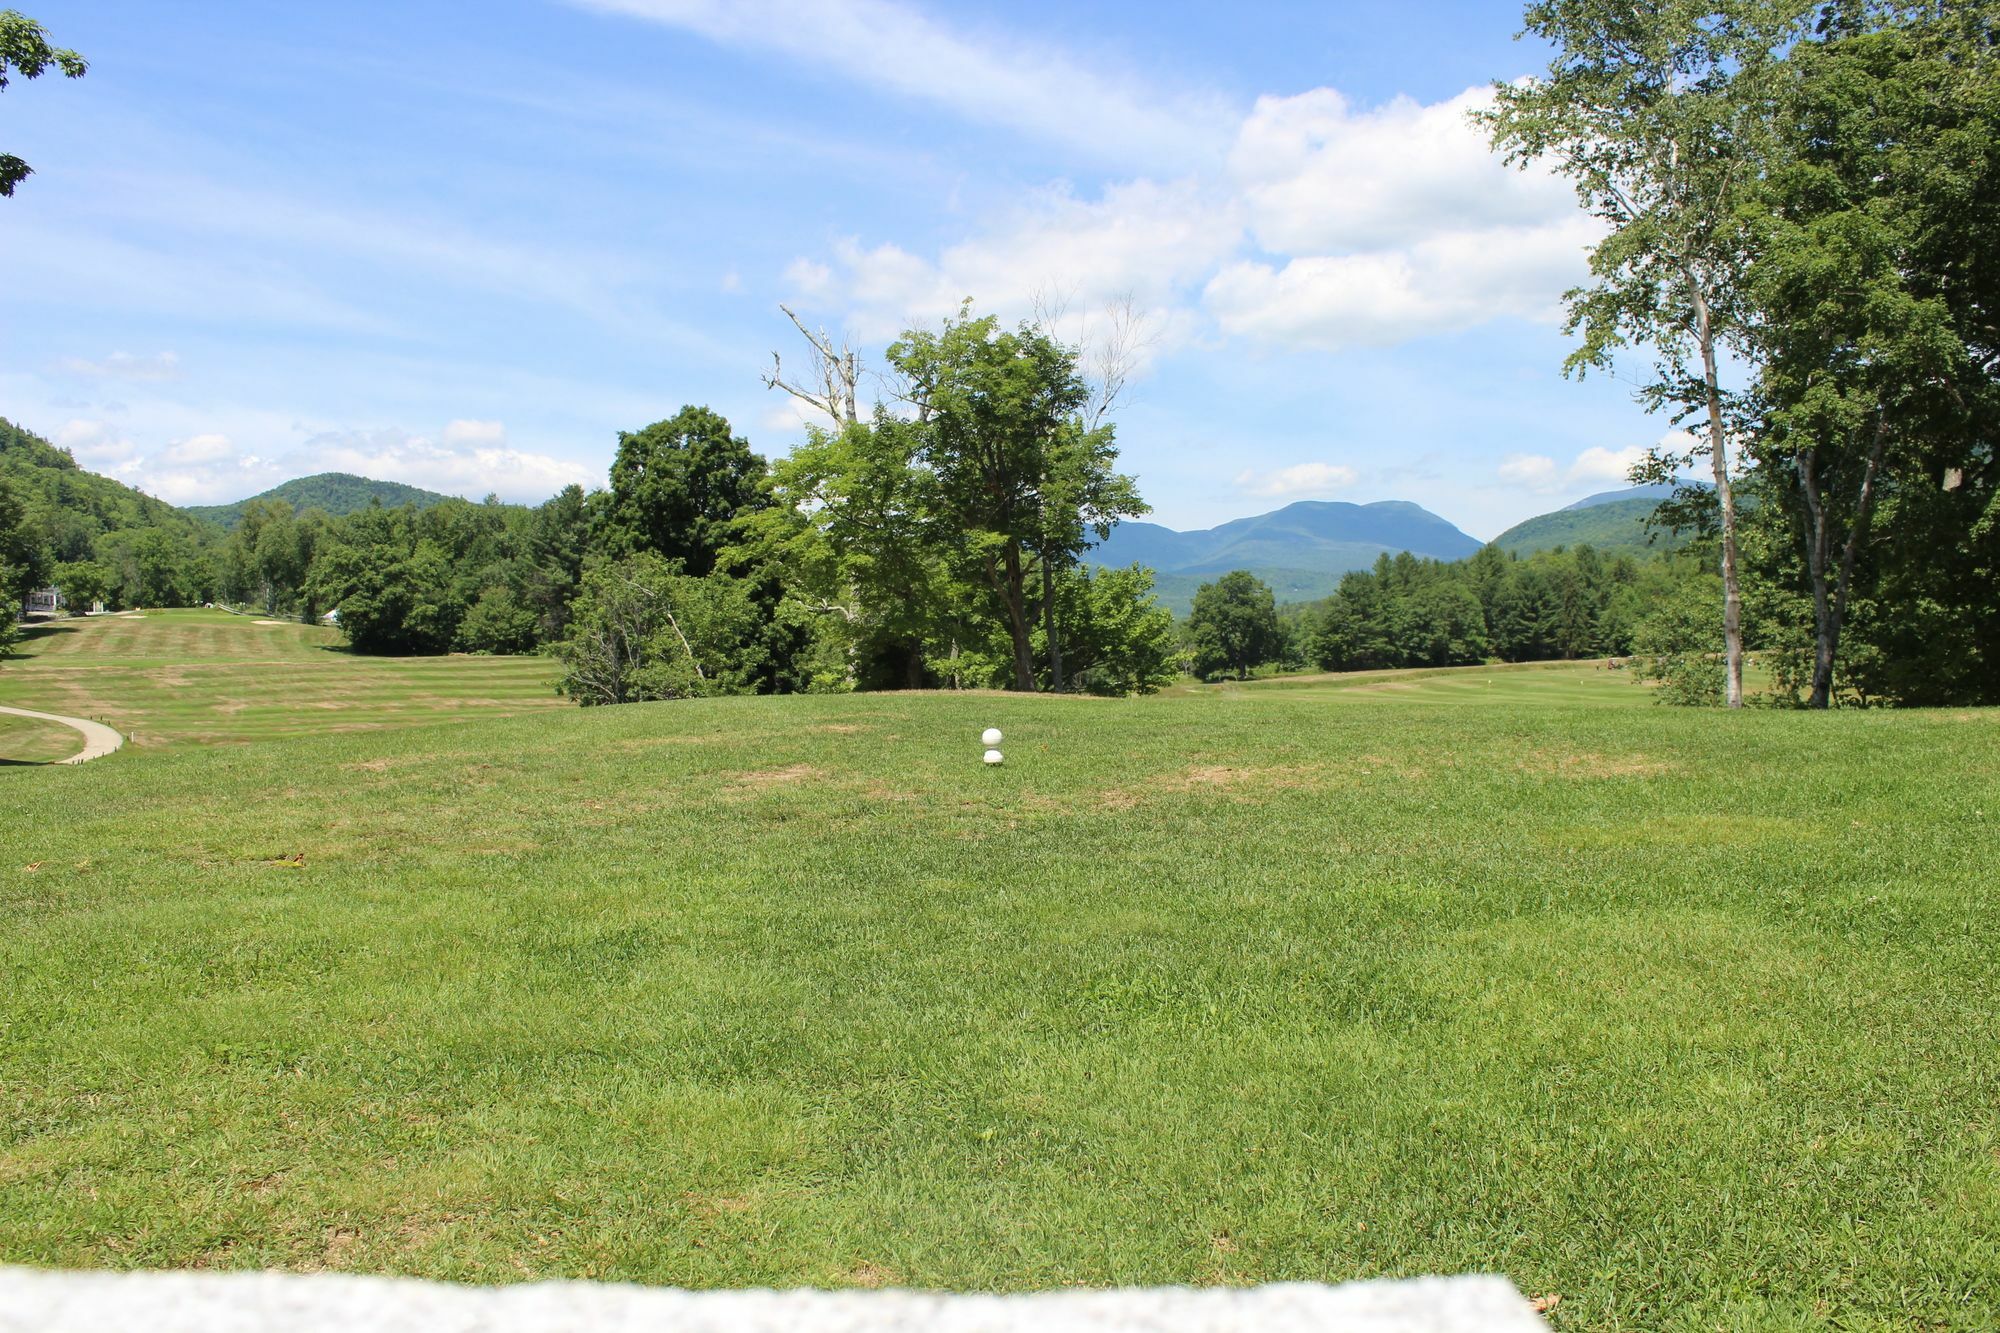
(24, 740)
(178, 677)
(1688, 1018)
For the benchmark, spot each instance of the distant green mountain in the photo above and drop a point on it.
(335, 492)
(1613, 522)
(1300, 550)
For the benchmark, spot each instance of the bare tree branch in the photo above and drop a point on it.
(835, 374)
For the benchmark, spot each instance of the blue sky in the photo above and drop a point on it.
(463, 246)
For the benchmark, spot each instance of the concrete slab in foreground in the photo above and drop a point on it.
(36, 1301)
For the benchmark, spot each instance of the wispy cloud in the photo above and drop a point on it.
(125, 366)
(986, 78)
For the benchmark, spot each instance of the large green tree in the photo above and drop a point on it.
(1658, 113)
(25, 51)
(1021, 476)
(1233, 626)
(1875, 277)
(855, 527)
(679, 488)
(1119, 640)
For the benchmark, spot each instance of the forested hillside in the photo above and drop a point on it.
(1612, 522)
(1614, 528)
(332, 493)
(96, 537)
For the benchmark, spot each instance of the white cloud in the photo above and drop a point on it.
(1300, 479)
(1596, 466)
(986, 78)
(467, 457)
(1601, 464)
(809, 278)
(1440, 284)
(96, 444)
(790, 417)
(473, 465)
(464, 432)
(1532, 471)
(198, 450)
(126, 366)
(1320, 177)
(1140, 240)
(1371, 228)
(206, 468)
(1399, 222)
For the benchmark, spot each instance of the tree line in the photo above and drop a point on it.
(1809, 191)
(937, 542)
(1410, 611)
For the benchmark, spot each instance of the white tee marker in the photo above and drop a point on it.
(994, 756)
(990, 737)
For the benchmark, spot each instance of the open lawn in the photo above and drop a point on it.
(27, 740)
(1692, 1020)
(169, 677)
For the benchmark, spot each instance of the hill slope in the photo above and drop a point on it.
(335, 492)
(68, 507)
(1300, 550)
(1614, 522)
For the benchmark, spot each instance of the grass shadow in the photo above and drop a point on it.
(32, 631)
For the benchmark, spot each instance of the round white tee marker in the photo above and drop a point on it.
(994, 756)
(990, 737)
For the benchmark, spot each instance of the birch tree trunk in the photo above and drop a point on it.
(1725, 497)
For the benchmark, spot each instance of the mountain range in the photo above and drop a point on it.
(1300, 551)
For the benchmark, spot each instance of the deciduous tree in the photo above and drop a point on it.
(25, 51)
(1233, 626)
(678, 489)
(1659, 115)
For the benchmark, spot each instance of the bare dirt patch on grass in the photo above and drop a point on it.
(654, 742)
(1591, 764)
(707, 1208)
(764, 779)
(1232, 780)
(382, 765)
(1372, 765)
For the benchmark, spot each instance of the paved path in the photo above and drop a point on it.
(98, 739)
